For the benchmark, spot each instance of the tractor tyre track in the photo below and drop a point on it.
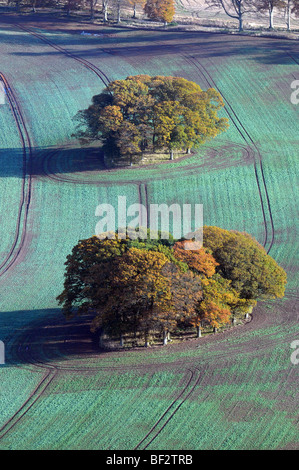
(100, 74)
(250, 142)
(51, 371)
(157, 429)
(25, 199)
(24, 355)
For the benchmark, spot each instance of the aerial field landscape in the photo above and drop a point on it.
(233, 390)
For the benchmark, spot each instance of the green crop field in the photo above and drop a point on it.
(232, 390)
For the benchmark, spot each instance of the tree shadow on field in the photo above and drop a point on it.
(268, 51)
(85, 164)
(134, 43)
(51, 337)
(48, 161)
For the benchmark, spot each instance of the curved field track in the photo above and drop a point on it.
(236, 389)
(21, 222)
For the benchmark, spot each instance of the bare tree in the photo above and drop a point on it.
(291, 6)
(92, 4)
(234, 8)
(269, 5)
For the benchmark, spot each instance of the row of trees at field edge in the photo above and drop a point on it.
(164, 10)
(144, 114)
(141, 287)
(159, 10)
(238, 9)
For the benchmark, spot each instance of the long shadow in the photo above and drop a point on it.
(135, 43)
(270, 53)
(48, 161)
(47, 339)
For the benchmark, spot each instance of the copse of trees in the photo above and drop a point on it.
(140, 287)
(144, 114)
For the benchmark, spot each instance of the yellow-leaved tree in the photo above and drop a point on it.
(161, 10)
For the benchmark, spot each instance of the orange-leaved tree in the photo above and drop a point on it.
(199, 260)
(162, 10)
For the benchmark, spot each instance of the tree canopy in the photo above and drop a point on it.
(143, 114)
(140, 286)
(162, 10)
(242, 260)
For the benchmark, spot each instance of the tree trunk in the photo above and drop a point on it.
(188, 151)
(214, 329)
(171, 154)
(241, 22)
(289, 16)
(91, 10)
(271, 17)
(105, 11)
(134, 14)
(121, 341)
(101, 340)
(118, 13)
(165, 338)
(198, 331)
(233, 321)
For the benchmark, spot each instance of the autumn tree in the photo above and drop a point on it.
(161, 10)
(197, 260)
(143, 294)
(152, 291)
(220, 301)
(186, 293)
(143, 114)
(78, 295)
(253, 273)
(142, 286)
